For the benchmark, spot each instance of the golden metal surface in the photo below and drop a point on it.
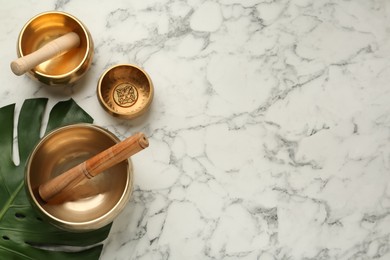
(125, 91)
(66, 68)
(100, 199)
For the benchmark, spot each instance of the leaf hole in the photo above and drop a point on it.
(19, 215)
(6, 238)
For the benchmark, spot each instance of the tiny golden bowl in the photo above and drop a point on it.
(99, 200)
(66, 68)
(125, 91)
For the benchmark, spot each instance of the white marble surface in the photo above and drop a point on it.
(269, 130)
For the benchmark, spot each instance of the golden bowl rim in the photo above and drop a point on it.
(96, 223)
(125, 115)
(83, 27)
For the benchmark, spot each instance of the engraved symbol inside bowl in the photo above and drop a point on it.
(125, 95)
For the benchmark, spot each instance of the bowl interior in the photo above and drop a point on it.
(97, 198)
(125, 91)
(47, 27)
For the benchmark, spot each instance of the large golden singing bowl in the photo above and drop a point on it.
(66, 68)
(125, 91)
(92, 204)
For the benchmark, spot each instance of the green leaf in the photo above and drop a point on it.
(23, 234)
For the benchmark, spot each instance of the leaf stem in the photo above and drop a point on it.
(16, 252)
(10, 200)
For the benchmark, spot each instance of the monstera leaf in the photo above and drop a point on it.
(23, 234)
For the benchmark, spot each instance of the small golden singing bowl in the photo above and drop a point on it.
(97, 201)
(125, 91)
(63, 69)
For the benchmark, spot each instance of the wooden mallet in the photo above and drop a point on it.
(50, 50)
(93, 166)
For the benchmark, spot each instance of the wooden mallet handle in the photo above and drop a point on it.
(48, 51)
(93, 166)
